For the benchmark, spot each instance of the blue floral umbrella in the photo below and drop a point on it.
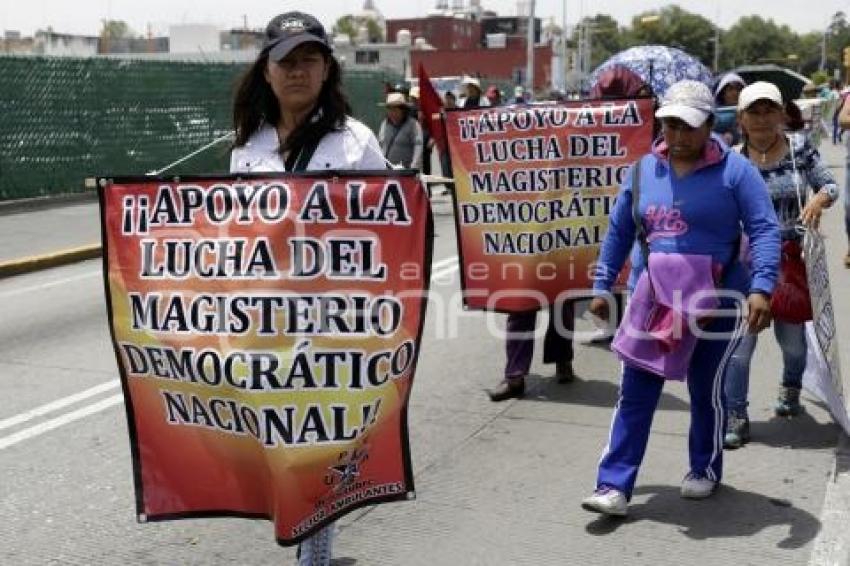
(658, 65)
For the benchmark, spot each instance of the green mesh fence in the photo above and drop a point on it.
(62, 119)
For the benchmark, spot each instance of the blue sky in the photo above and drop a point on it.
(84, 16)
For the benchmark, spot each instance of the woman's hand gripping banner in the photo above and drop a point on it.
(267, 331)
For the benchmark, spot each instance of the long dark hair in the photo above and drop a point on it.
(255, 104)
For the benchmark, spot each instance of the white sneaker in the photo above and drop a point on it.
(600, 337)
(606, 500)
(697, 487)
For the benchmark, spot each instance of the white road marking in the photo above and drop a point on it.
(49, 284)
(62, 420)
(436, 267)
(832, 543)
(443, 267)
(446, 271)
(443, 262)
(58, 404)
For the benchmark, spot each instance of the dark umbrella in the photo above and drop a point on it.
(790, 84)
(658, 65)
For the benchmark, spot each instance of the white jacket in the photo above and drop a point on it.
(353, 147)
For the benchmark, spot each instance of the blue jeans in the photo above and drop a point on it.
(318, 549)
(792, 341)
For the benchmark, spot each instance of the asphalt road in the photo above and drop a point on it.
(498, 484)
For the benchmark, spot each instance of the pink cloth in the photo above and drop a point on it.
(655, 334)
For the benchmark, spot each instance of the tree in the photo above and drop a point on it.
(112, 31)
(115, 29)
(350, 25)
(819, 77)
(346, 25)
(675, 27)
(753, 40)
(837, 38)
(376, 32)
(606, 37)
(807, 51)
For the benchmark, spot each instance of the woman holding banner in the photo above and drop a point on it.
(790, 166)
(686, 201)
(519, 349)
(290, 114)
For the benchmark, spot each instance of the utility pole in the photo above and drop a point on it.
(826, 32)
(716, 47)
(564, 64)
(579, 48)
(717, 39)
(529, 69)
(583, 31)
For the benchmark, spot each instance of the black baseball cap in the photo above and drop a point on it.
(287, 31)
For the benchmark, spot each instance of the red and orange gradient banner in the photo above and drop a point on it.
(267, 331)
(534, 185)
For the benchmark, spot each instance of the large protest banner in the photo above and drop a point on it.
(534, 187)
(823, 373)
(267, 331)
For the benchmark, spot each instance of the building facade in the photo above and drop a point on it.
(506, 65)
(442, 32)
(489, 47)
(48, 42)
(394, 57)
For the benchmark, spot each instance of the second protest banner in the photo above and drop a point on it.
(534, 187)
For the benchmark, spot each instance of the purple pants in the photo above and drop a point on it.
(557, 346)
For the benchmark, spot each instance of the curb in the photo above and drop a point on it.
(832, 545)
(46, 202)
(46, 261)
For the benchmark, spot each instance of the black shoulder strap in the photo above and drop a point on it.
(640, 230)
(297, 161)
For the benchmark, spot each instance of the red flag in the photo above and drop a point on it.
(431, 105)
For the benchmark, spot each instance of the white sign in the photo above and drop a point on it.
(822, 377)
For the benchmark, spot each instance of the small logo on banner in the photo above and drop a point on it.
(347, 470)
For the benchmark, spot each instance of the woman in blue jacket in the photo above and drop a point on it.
(695, 196)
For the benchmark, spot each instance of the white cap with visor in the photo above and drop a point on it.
(760, 90)
(689, 101)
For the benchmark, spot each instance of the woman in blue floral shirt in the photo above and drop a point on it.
(787, 163)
